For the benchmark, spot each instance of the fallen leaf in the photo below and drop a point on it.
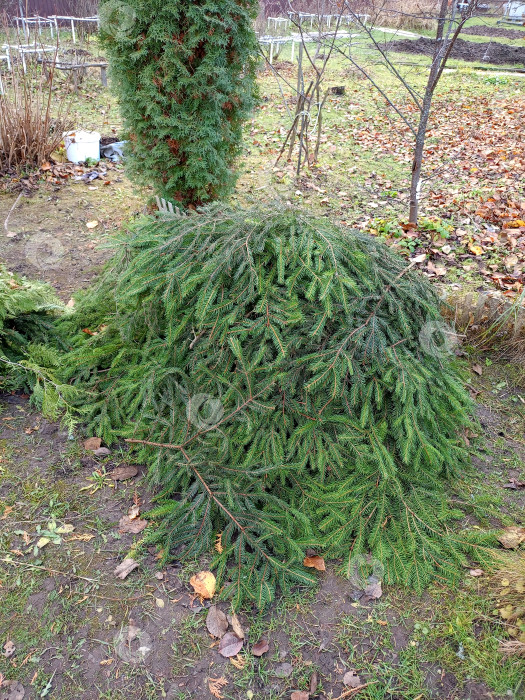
(126, 471)
(125, 568)
(351, 679)
(260, 648)
(134, 512)
(419, 258)
(92, 443)
(65, 529)
(12, 690)
(236, 625)
(514, 484)
(216, 622)
(512, 537)
(476, 249)
(215, 685)
(476, 572)
(92, 224)
(478, 369)
(204, 584)
(42, 542)
(299, 695)
(102, 452)
(159, 602)
(374, 590)
(230, 645)
(315, 562)
(314, 682)
(126, 524)
(9, 649)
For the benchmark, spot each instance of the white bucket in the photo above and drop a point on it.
(81, 145)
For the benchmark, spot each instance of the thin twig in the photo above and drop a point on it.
(347, 693)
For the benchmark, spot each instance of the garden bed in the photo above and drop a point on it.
(498, 54)
(486, 30)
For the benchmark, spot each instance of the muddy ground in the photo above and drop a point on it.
(491, 31)
(490, 52)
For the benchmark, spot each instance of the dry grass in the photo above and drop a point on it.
(507, 591)
(491, 324)
(33, 117)
(407, 14)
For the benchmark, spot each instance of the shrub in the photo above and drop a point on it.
(185, 76)
(32, 118)
(275, 366)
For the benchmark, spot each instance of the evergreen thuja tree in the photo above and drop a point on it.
(272, 369)
(184, 73)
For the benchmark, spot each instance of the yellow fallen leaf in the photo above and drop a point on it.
(512, 537)
(476, 249)
(204, 584)
(42, 542)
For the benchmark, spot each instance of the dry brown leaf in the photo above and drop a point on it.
(476, 572)
(124, 472)
(204, 584)
(260, 648)
(374, 590)
(215, 685)
(126, 524)
(230, 645)
(125, 568)
(315, 562)
(92, 443)
(351, 679)
(236, 625)
(216, 622)
(512, 537)
(478, 369)
(300, 695)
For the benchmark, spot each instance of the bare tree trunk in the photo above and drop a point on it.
(435, 71)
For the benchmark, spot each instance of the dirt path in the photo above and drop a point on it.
(55, 233)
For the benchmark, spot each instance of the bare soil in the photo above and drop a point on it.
(78, 610)
(491, 31)
(490, 52)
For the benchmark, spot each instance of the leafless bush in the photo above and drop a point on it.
(33, 117)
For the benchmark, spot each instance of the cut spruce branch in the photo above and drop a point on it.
(274, 372)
